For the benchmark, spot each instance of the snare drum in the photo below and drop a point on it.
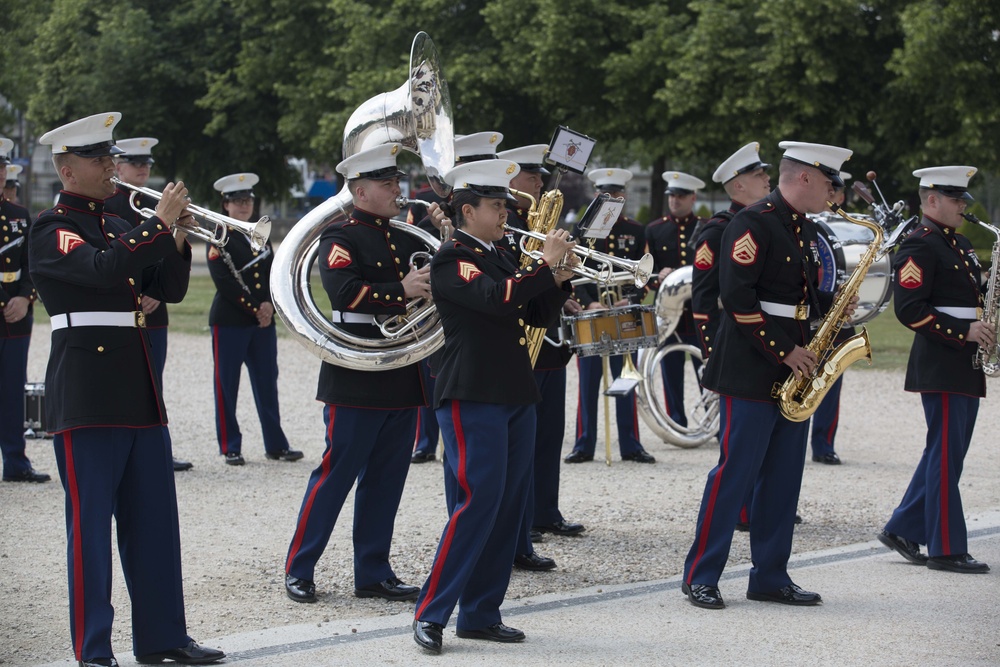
(841, 246)
(34, 409)
(611, 332)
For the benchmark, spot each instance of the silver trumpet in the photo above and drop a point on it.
(418, 309)
(257, 232)
(639, 270)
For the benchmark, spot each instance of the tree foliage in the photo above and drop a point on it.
(232, 85)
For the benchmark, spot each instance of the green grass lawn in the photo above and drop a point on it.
(890, 340)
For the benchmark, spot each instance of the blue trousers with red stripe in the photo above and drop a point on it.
(931, 510)
(13, 375)
(158, 343)
(488, 448)
(371, 447)
(672, 367)
(258, 349)
(126, 473)
(590, 370)
(428, 432)
(826, 419)
(761, 450)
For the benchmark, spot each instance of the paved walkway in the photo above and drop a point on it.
(879, 610)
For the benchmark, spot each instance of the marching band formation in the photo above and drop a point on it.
(468, 344)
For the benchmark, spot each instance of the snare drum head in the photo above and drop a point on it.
(842, 244)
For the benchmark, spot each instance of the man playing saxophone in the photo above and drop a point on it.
(768, 275)
(936, 293)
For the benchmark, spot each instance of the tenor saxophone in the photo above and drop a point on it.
(988, 358)
(542, 218)
(798, 398)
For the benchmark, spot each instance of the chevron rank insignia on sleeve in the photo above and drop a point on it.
(68, 241)
(704, 258)
(745, 249)
(339, 257)
(911, 276)
(467, 271)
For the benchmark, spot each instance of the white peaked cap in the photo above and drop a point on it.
(5, 147)
(845, 176)
(486, 178)
(13, 171)
(137, 145)
(742, 161)
(610, 178)
(377, 163)
(529, 158)
(236, 183)
(478, 146)
(88, 137)
(680, 183)
(828, 159)
(952, 181)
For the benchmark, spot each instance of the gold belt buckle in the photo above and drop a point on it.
(9, 276)
(140, 319)
(801, 311)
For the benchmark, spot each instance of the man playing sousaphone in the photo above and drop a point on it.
(370, 416)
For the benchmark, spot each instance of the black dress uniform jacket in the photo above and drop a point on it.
(670, 241)
(485, 300)
(15, 279)
(511, 241)
(935, 267)
(769, 252)
(118, 204)
(234, 306)
(83, 260)
(362, 261)
(705, 277)
(626, 240)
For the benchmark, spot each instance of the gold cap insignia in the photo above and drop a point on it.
(676, 176)
(65, 148)
(110, 121)
(493, 139)
(242, 178)
(610, 172)
(511, 168)
(394, 150)
(144, 143)
(971, 173)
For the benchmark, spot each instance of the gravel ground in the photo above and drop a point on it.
(236, 522)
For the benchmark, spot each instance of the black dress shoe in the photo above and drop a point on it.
(391, 589)
(534, 563)
(904, 547)
(428, 635)
(181, 465)
(300, 590)
(285, 455)
(704, 596)
(561, 527)
(961, 563)
(578, 457)
(29, 475)
(639, 456)
(743, 526)
(830, 459)
(421, 457)
(234, 459)
(790, 594)
(192, 654)
(495, 633)
(798, 519)
(99, 662)
(535, 536)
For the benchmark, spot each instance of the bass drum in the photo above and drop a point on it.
(841, 246)
(702, 407)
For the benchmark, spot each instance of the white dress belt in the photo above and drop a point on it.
(11, 276)
(99, 318)
(352, 318)
(799, 312)
(959, 312)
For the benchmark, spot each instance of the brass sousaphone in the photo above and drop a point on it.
(418, 116)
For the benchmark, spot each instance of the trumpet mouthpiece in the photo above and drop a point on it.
(870, 176)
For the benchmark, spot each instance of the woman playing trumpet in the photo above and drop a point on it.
(485, 396)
